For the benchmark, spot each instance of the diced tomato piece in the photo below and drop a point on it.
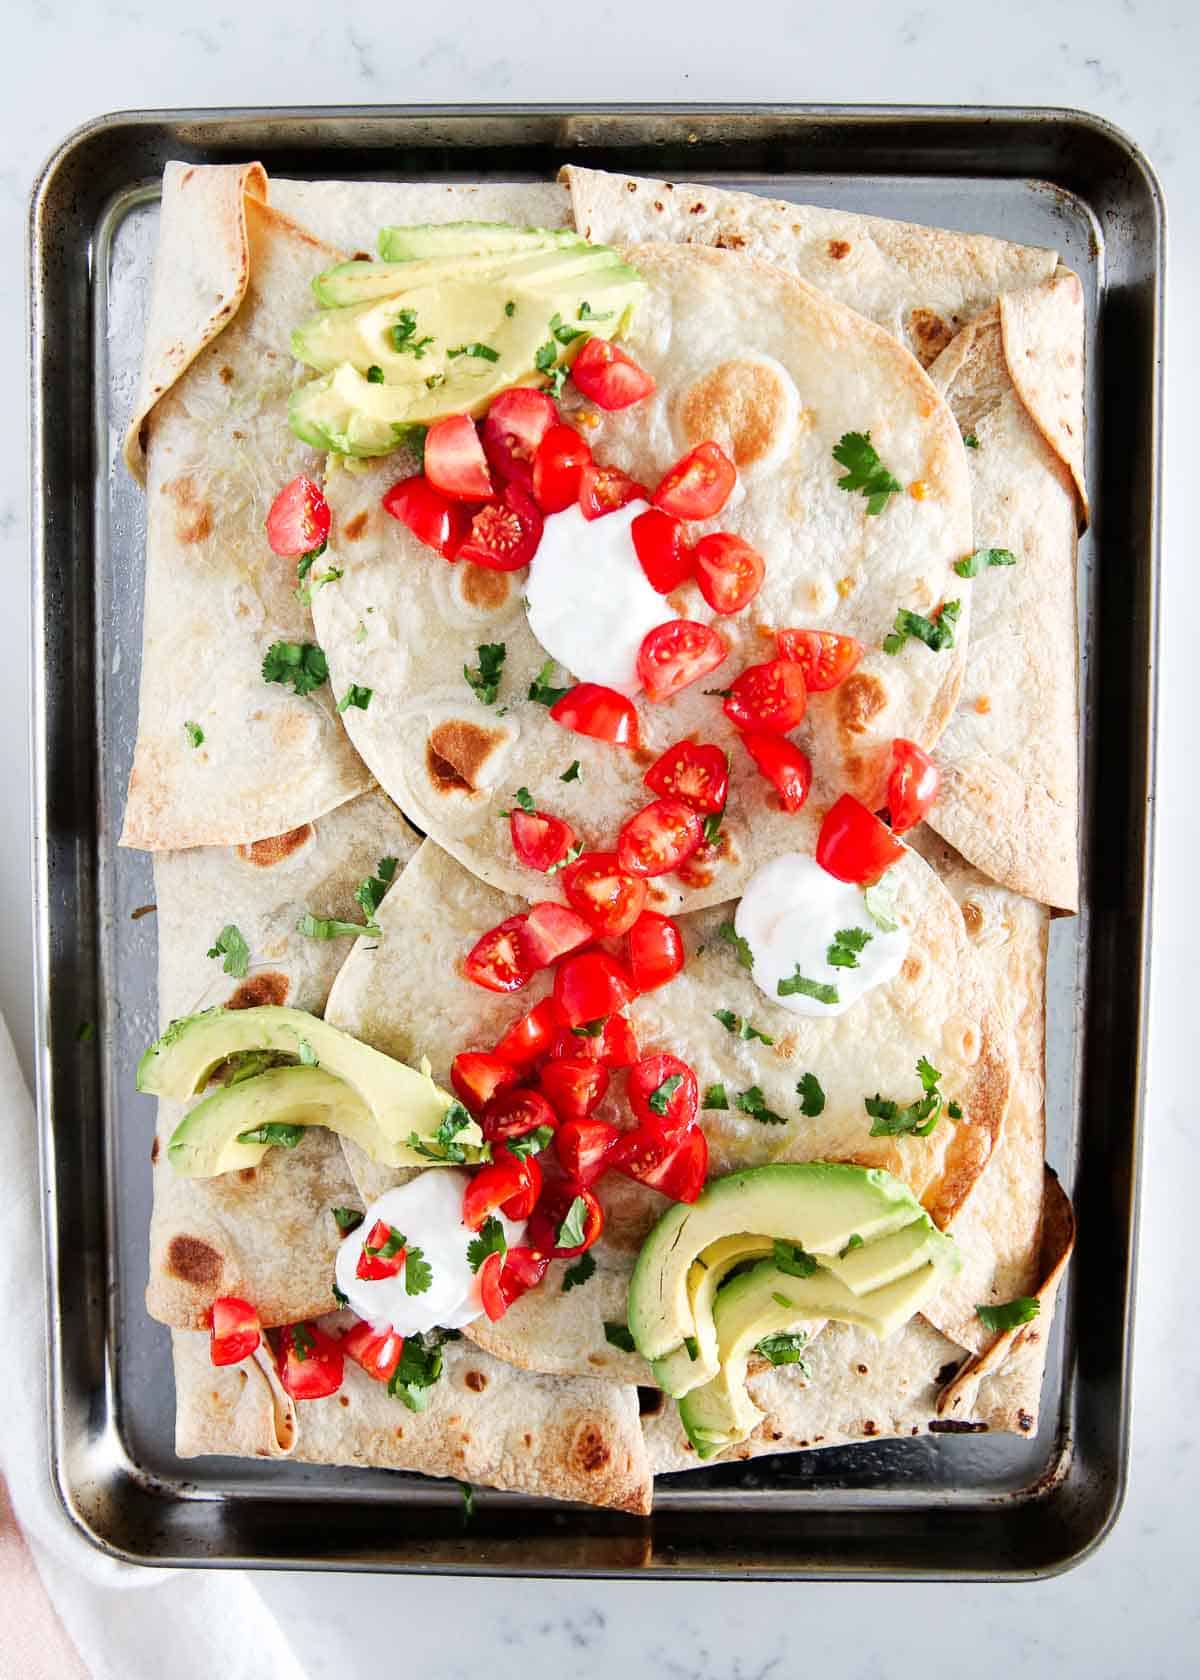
(545, 1227)
(382, 1254)
(699, 485)
(783, 764)
(694, 772)
(504, 535)
(659, 837)
(597, 886)
(912, 786)
(454, 460)
(516, 423)
(591, 709)
(236, 1330)
(500, 961)
(664, 1110)
(551, 930)
(299, 519)
(826, 658)
(528, 1040)
(770, 696)
(666, 557)
(311, 1364)
(854, 845)
(477, 1077)
(675, 654)
(575, 1085)
(675, 1163)
(609, 377)
(605, 489)
(561, 458)
(509, 1183)
(494, 1304)
(539, 840)
(503, 1279)
(515, 1113)
(730, 573)
(591, 985)
(615, 1044)
(377, 1354)
(583, 1148)
(655, 951)
(431, 517)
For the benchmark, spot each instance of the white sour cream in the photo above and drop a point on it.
(790, 916)
(428, 1212)
(589, 602)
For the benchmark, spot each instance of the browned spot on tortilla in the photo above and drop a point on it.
(155, 1150)
(837, 248)
(225, 375)
(591, 1451)
(528, 1440)
(142, 910)
(870, 1427)
(265, 853)
(983, 705)
(696, 209)
(457, 751)
(186, 177)
(862, 1370)
(248, 1175)
(911, 967)
(342, 1400)
(729, 242)
(659, 205)
(631, 186)
(652, 1402)
(481, 587)
(268, 987)
(193, 516)
(860, 698)
(194, 1261)
(918, 490)
(972, 915)
(930, 334)
(363, 256)
(399, 1434)
(238, 437)
(740, 404)
(475, 1381)
(955, 1426)
(1024, 1420)
(945, 1372)
(355, 526)
(844, 586)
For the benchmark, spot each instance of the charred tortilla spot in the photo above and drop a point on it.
(859, 699)
(194, 1261)
(955, 1426)
(193, 516)
(870, 1427)
(983, 705)
(456, 753)
(652, 1402)
(740, 404)
(929, 333)
(729, 242)
(911, 968)
(268, 987)
(248, 1175)
(837, 248)
(155, 1150)
(590, 1450)
(481, 587)
(225, 375)
(972, 915)
(355, 526)
(342, 1400)
(475, 1381)
(265, 853)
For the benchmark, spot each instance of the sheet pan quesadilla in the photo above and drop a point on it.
(547, 508)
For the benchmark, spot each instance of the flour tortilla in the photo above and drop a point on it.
(266, 1233)
(724, 337)
(486, 1423)
(349, 214)
(1009, 757)
(406, 996)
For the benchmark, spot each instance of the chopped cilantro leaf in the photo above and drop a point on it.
(194, 734)
(954, 1110)
(809, 988)
(303, 1341)
(404, 335)
(230, 945)
(465, 1488)
(374, 375)
(618, 1336)
(739, 1025)
(389, 1247)
(525, 799)
(542, 690)
(546, 357)
(328, 927)
(916, 1119)
(484, 678)
(305, 563)
(865, 472)
(715, 1097)
(927, 1074)
(852, 1242)
(85, 1032)
(482, 352)
(982, 559)
(342, 1300)
(846, 946)
(531, 1143)
(490, 1240)
(742, 951)
(347, 1219)
(572, 773)
(587, 313)
(971, 441)
(659, 1098)
(569, 856)
(300, 663)
(580, 1272)
(433, 380)
(368, 894)
(571, 1231)
(276, 1132)
(419, 1368)
(1008, 1314)
(356, 696)
(563, 333)
(510, 308)
(753, 1103)
(418, 1273)
(693, 1348)
(590, 1029)
(812, 1097)
(442, 1147)
(791, 1258)
(781, 1300)
(712, 826)
(784, 1349)
(937, 632)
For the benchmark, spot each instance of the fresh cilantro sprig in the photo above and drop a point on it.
(530, 1143)
(329, 927)
(740, 1026)
(418, 1273)
(418, 1369)
(194, 734)
(785, 1349)
(232, 947)
(347, 1219)
(853, 1241)
(618, 1336)
(818, 989)
(579, 1273)
(847, 946)
(277, 1132)
(571, 1231)
(481, 352)
(368, 894)
(914, 1119)
(865, 472)
(572, 773)
(389, 1247)
(355, 696)
(1008, 1314)
(660, 1097)
(982, 559)
(789, 1257)
(302, 664)
(442, 1147)
(812, 1097)
(741, 949)
(715, 1097)
(404, 335)
(543, 690)
(753, 1103)
(490, 1240)
(484, 678)
(937, 632)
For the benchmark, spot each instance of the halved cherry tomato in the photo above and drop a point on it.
(655, 951)
(477, 1077)
(504, 535)
(576, 1086)
(591, 709)
(583, 1148)
(676, 1163)
(454, 460)
(675, 654)
(382, 1254)
(311, 1364)
(510, 1183)
(609, 377)
(551, 930)
(769, 696)
(378, 1354)
(912, 786)
(499, 961)
(694, 772)
(528, 1039)
(854, 845)
(236, 1330)
(504, 1278)
(431, 517)
(299, 519)
(699, 485)
(597, 886)
(826, 658)
(730, 573)
(659, 837)
(494, 1304)
(516, 423)
(512, 1114)
(781, 763)
(591, 985)
(615, 1044)
(545, 1226)
(561, 457)
(605, 489)
(666, 558)
(671, 1110)
(538, 839)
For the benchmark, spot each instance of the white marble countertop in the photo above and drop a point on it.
(1133, 1608)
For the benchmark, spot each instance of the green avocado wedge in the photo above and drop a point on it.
(358, 282)
(464, 239)
(207, 1141)
(403, 1104)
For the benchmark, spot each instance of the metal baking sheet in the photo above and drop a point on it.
(947, 1506)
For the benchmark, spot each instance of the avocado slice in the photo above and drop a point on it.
(402, 1101)
(453, 239)
(697, 1361)
(206, 1140)
(352, 283)
(870, 1266)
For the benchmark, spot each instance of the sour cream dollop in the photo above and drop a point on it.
(590, 604)
(791, 916)
(428, 1212)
